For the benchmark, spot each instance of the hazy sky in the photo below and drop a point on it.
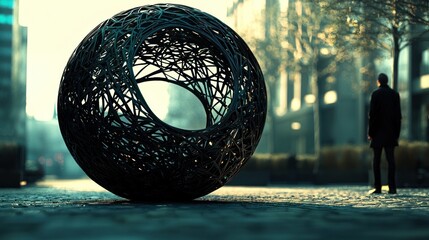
(56, 27)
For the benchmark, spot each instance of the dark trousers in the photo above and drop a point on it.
(391, 175)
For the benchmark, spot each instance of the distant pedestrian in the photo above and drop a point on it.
(384, 128)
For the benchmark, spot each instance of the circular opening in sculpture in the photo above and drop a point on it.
(174, 105)
(190, 61)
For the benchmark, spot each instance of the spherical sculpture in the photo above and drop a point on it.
(116, 138)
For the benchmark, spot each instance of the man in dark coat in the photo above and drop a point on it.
(384, 128)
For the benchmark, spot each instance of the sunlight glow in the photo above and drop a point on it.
(310, 98)
(296, 126)
(296, 101)
(281, 109)
(324, 51)
(83, 185)
(56, 27)
(424, 81)
(295, 104)
(330, 97)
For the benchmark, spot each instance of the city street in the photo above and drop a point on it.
(79, 209)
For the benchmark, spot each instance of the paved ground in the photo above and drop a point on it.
(80, 209)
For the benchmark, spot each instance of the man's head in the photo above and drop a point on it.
(382, 79)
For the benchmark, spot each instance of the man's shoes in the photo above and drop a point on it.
(393, 191)
(376, 191)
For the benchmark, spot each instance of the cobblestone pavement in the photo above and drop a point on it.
(79, 209)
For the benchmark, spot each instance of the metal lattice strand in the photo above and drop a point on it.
(116, 138)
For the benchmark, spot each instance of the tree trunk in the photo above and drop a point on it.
(395, 66)
(396, 49)
(316, 116)
(270, 121)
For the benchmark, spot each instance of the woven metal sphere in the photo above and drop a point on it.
(114, 135)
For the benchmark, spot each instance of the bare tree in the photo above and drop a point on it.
(272, 58)
(305, 38)
(291, 43)
(368, 25)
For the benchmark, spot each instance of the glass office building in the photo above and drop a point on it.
(13, 40)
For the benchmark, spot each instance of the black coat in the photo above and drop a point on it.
(384, 117)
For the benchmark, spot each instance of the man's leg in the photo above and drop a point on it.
(391, 174)
(376, 169)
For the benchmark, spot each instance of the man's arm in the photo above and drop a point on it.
(398, 116)
(372, 117)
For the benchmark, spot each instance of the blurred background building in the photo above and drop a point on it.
(13, 45)
(317, 117)
(310, 106)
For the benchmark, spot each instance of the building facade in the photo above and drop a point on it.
(312, 103)
(416, 89)
(13, 42)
